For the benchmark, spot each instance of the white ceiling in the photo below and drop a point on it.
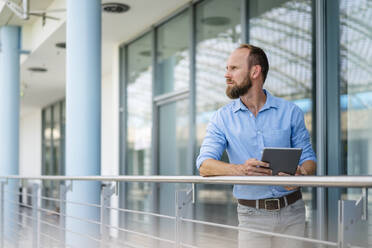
(8, 18)
(41, 89)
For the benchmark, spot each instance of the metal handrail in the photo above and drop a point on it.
(306, 181)
(316, 181)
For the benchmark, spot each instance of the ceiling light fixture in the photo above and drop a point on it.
(61, 45)
(115, 8)
(216, 21)
(37, 69)
(145, 53)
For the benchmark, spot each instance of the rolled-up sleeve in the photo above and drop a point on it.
(214, 143)
(300, 137)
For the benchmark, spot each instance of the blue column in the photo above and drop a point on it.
(9, 121)
(83, 115)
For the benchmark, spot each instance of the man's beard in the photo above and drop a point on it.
(235, 91)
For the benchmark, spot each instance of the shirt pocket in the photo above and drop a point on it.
(277, 138)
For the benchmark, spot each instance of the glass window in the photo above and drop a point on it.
(53, 150)
(173, 146)
(63, 128)
(47, 140)
(288, 47)
(56, 139)
(173, 138)
(173, 73)
(139, 122)
(356, 99)
(218, 32)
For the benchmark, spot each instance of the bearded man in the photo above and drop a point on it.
(253, 120)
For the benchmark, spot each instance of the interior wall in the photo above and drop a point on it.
(109, 122)
(110, 128)
(30, 144)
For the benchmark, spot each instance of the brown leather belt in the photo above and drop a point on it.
(272, 203)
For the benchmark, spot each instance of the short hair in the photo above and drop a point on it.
(257, 57)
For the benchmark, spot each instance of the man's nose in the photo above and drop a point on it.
(227, 75)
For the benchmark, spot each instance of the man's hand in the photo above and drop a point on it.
(254, 167)
(299, 172)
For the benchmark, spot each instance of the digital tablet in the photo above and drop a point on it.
(282, 159)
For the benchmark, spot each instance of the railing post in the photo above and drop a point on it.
(2, 214)
(183, 198)
(35, 216)
(349, 213)
(106, 193)
(62, 213)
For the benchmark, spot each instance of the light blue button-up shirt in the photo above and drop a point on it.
(234, 128)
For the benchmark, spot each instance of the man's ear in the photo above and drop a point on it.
(256, 70)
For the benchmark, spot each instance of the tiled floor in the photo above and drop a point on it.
(22, 234)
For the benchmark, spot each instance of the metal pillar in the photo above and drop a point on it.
(244, 20)
(83, 114)
(9, 122)
(9, 100)
(321, 117)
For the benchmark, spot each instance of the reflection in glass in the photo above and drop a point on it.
(356, 99)
(53, 150)
(139, 91)
(218, 34)
(172, 75)
(47, 141)
(139, 124)
(173, 55)
(173, 144)
(288, 47)
(173, 138)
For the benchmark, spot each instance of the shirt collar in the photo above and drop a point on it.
(270, 103)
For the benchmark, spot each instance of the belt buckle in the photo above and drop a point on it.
(270, 204)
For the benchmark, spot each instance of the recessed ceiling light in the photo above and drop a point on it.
(145, 53)
(61, 45)
(37, 69)
(216, 20)
(148, 53)
(116, 8)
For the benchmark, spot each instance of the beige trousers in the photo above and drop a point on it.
(289, 220)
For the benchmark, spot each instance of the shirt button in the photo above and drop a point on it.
(251, 115)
